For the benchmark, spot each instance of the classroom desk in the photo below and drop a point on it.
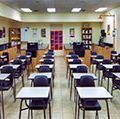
(99, 93)
(108, 67)
(48, 74)
(49, 65)
(3, 77)
(28, 93)
(77, 76)
(69, 48)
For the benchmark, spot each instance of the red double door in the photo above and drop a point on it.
(56, 40)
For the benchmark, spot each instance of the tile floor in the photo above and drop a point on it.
(62, 107)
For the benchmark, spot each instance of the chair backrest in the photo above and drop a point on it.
(100, 57)
(116, 68)
(107, 61)
(93, 53)
(48, 56)
(40, 81)
(7, 57)
(71, 53)
(8, 69)
(22, 57)
(47, 61)
(50, 50)
(113, 52)
(81, 69)
(29, 53)
(74, 56)
(44, 69)
(76, 61)
(86, 81)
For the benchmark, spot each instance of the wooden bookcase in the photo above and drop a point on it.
(14, 34)
(15, 37)
(56, 40)
(87, 36)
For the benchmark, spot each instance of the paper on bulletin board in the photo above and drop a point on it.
(34, 34)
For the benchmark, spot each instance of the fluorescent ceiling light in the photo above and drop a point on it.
(102, 9)
(26, 10)
(51, 9)
(76, 10)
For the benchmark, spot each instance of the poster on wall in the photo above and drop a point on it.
(43, 32)
(34, 34)
(2, 32)
(72, 32)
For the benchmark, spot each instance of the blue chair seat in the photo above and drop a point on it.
(5, 85)
(91, 105)
(38, 104)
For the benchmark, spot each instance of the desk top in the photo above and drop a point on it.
(93, 93)
(117, 74)
(78, 75)
(33, 93)
(73, 66)
(49, 65)
(32, 76)
(109, 66)
(13, 65)
(71, 60)
(3, 76)
(41, 60)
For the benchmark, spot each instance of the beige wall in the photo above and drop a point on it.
(65, 27)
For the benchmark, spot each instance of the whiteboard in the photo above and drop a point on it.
(25, 34)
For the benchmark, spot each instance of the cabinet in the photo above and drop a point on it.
(14, 34)
(14, 37)
(87, 37)
(56, 40)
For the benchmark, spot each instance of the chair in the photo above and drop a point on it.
(115, 82)
(79, 69)
(18, 72)
(71, 53)
(29, 60)
(7, 84)
(76, 61)
(74, 56)
(114, 56)
(92, 61)
(86, 104)
(39, 104)
(47, 61)
(44, 69)
(98, 63)
(107, 73)
(24, 63)
(48, 56)
(6, 59)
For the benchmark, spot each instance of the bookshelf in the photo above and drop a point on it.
(87, 36)
(14, 34)
(15, 37)
(56, 40)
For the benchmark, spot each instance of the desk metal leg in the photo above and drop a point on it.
(107, 109)
(20, 109)
(76, 103)
(2, 101)
(49, 110)
(71, 87)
